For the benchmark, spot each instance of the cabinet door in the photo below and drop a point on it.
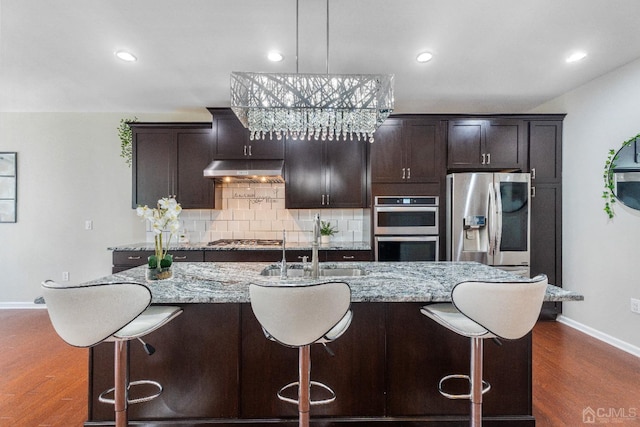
(504, 145)
(422, 141)
(346, 170)
(545, 151)
(546, 232)
(465, 144)
(154, 166)
(305, 178)
(195, 151)
(387, 153)
(233, 140)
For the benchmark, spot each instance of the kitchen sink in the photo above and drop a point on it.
(323, 272)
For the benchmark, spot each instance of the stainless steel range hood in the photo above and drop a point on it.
(256, 171)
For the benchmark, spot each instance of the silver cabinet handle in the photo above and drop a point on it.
(323, 200)
(250, 150)
(327, 200)
(134, 257)
(533, 192)
(348, 257)
(408, 173)
(488, 158)
(533, 173)
(245, 150)
(179, 258)
(484, 158)
(403, 173)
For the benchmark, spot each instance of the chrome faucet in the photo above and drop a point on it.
(283, 264)
(315, 268)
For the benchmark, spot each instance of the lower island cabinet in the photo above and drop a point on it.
(218, 369)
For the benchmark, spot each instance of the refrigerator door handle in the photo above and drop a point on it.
(498, 228)
(491, 219)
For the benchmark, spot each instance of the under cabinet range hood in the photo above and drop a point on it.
(255, 171)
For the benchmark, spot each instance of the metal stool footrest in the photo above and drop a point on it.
(312, 402)
(102, 398)
(486, 387)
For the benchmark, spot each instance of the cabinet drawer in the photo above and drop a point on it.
(346, 256)
(131, 258)
(135, 258)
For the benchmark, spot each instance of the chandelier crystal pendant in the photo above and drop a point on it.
(306, 106)
(311, 106)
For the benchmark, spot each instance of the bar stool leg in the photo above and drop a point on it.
(120, 382)
(476, 381)
(304, 388)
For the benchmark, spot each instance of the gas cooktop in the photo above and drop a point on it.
(245, 242)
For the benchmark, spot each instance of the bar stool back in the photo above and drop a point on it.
(85, 316)
(298, 316)
(481, 310)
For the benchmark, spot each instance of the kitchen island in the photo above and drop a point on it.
(218, 369)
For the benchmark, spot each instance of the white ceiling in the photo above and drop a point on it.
(489, 55)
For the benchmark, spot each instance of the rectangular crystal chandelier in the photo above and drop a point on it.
(306, 106)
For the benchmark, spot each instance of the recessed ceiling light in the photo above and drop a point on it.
(275, 56)
(424, 57)
(577, 56)
(126, 56)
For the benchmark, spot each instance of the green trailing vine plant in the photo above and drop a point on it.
(609, 193)
(126, 139)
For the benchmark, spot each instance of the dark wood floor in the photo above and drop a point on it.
(43, 381)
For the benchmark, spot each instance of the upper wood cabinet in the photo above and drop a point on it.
(408, 150)
(233, 142)
(545, 151)
(168, 160)
(491, 144)
(325, 174)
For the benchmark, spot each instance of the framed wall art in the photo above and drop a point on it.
(8, 186)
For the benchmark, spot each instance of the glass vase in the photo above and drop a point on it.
(159, 273)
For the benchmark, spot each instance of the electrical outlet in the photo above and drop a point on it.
(65, 276)
(88, 225)
(635, 305)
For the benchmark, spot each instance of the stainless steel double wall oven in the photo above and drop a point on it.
(406, 228)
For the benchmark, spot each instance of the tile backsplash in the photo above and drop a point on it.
(256, 211)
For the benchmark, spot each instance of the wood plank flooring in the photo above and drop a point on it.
(43, 381)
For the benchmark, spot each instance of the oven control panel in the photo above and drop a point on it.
(406, 201)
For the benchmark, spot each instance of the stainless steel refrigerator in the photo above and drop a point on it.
(488, 219)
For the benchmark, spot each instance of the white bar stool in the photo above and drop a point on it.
(298, 316)
(85, 316)
(481, 310)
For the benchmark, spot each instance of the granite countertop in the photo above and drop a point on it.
(332, 246)
(208, 282)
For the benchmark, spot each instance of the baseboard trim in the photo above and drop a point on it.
(622, 345)
(20, 306)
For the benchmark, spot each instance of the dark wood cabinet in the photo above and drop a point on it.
(325, 174)
(486, 144)
(408, 150)
(124, 260)
(545, 163)
(233, 140)
(168, 160)
(218, 369)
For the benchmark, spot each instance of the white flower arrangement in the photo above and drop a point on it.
(163, 218)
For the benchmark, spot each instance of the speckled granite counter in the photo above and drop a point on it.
(332, 246)
(381, 282)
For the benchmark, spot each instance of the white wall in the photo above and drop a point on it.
(69, 171)
(601, 257)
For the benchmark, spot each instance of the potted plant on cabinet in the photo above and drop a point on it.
(326, 231)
